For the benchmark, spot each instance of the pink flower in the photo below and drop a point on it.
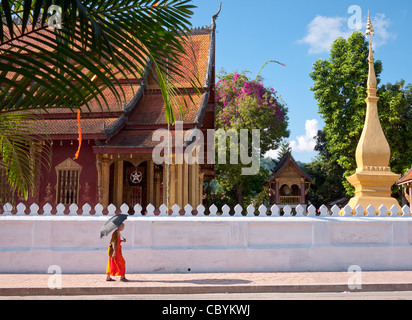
(236, 76)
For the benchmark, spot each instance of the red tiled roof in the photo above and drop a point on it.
(70, 126)
(152, 111)
(143, 139)
(113, 104)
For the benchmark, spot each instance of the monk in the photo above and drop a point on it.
(116, 265)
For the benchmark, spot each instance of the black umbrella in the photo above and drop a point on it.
(112, 224)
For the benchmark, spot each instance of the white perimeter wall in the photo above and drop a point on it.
(208, 244)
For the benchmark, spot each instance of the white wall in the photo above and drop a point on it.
(208, 244)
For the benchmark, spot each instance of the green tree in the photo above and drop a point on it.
(246, 104)
(340, 88)
(68, 67)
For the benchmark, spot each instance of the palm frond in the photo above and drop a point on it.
(23, 156)
(100, 42)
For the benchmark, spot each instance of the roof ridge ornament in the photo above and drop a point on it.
(214, 17)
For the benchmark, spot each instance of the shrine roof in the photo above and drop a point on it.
(283, 163)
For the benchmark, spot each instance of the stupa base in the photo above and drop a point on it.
(374, 188)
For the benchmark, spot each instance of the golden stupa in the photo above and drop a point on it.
(373, 178)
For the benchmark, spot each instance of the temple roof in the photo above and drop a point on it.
(142, 106)
(407, 178)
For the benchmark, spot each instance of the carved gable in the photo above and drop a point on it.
(69, 164)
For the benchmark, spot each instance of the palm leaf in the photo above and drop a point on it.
(99, 43)
(106, 38)
(23, 155)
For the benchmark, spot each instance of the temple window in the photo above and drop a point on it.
(68, 182)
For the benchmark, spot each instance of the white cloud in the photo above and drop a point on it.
(307, 142)
(381, 26)
(274, 154)
(322, 31)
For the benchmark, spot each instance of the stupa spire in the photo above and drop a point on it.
(373, 178)
(372, 82)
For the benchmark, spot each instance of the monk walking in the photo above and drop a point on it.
(116, 265)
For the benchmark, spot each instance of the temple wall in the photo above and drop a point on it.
(87, 160)
(208, 244)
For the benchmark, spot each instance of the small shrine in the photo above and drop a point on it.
(288, 184)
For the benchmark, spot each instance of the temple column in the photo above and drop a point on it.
(105, 181)
(302, 191)
(172, 191)
(185, 183)
(201, 178)
(179, 185)
(150, 182)
(157, 203)
(410, 196)
(118, 183)
(164, 184)
(192, 185)
(197, 185)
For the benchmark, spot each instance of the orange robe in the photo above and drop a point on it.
(116, 267)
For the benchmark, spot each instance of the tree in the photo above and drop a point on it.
(70, 66)
(246, 104)
(340, 88)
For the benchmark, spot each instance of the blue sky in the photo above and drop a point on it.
(298, 33)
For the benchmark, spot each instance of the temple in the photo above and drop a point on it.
(115, 163)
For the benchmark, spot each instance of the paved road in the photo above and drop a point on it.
(405, 295)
